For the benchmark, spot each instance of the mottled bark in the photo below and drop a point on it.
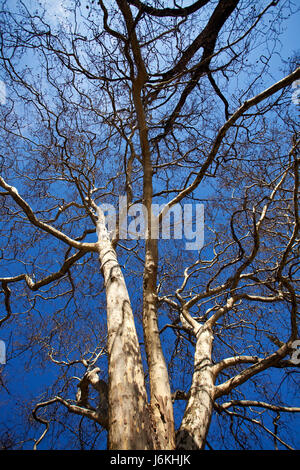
(197, 416)
(129, 420)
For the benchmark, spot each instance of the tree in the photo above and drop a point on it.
(166, 105)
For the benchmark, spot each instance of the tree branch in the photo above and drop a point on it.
(13, 192)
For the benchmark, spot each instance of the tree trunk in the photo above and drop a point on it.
(129, 419)
(160, 392)
(196, 420)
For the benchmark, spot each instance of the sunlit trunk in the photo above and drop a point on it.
(129, 418)
(197, 416)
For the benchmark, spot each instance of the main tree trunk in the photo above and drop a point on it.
(129, 420)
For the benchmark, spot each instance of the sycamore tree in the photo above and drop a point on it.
(149, 224)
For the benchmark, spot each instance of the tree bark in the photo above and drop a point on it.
(129, 419)
(160, 392)
(196, 420)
